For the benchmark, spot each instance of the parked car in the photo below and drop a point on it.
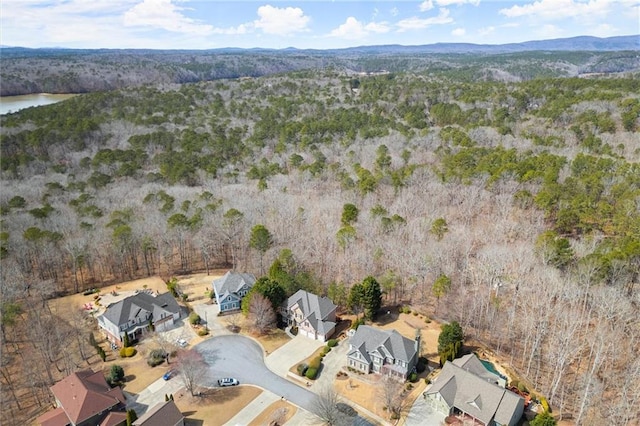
(168, 375)
(181, 342)
(228, 381)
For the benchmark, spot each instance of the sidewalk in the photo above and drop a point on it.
(254, 409)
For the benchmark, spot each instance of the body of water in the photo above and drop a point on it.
(16, 103)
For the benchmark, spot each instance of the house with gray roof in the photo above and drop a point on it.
(162, 414)
(314, 316)
(383, 352)
(472, 364)
(134, 314)
(457, 390)
(231, 288)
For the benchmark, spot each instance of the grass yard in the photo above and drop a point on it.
(279, 411)
(216, 406)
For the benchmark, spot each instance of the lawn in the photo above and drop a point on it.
(216, 407)
(279, 411)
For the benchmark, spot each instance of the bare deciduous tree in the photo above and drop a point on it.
(261, 313)
(325, 406)
(392, 396)
(192, 368)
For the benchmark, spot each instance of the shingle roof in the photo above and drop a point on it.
(232, 282)
(162, 414)
(315, 309)
(474, 395)
(115, 418)
(55, 417)
(141, 305)
(472, 364)
(369, 339)
(84, 394)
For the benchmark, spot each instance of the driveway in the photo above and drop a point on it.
(153, 394)
(291, 353)
(421, 414)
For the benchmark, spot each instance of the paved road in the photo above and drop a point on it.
(241, 358)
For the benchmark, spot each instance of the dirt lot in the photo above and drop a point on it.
(217, 406)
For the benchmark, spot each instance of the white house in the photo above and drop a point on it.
(134, 314)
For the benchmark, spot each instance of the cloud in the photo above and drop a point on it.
(429, 4)
(353, 29)
(485, 31)
(458, 32)
(166, 15)
(426, 5)
(415, 23)
(394, 11)
(550, 31)
(457, 2)
(559, 9)
(281, 21)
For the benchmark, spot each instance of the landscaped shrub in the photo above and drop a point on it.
(545, 404)
(301, 369)
(357, 323)
(311, 373)
(332, 342)
(122, 352)
(421, 365)
(405, 310)
(152, 362)
(203, 331)
(522, 388)
(413, 377)
(129, 352)
(156, 357)
(194, 318)
(315, 363)
(326, 350)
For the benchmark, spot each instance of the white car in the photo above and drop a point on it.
(228, 381)
(181, 342)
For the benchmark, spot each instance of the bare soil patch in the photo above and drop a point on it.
(215, 407)
(280, 412)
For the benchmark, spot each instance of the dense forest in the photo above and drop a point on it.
(524, 192)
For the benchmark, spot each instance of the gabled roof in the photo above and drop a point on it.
(386, 342)
(141, 305)
(162, 414)
(232, 282)
(315, 309)
(84, 394)
(474, 395)
(55, 417)
(114, 418)
(472, 364)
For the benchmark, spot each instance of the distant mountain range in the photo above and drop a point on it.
(580, 43)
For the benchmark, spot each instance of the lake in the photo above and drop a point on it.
(16, 103)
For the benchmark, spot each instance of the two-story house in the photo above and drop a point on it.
(134, 314)
(383, 352)
(230, 289)
(85, 399)
(459, 390)
(314, 316)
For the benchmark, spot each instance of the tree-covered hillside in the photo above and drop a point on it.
(525, 195)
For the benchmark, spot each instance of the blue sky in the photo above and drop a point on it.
(206, 24)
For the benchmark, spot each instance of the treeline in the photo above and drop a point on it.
(522, 195)
(26, 71)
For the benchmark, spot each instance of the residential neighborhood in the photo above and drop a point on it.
(364, 355)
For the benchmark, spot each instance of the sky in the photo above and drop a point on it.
(210, 24)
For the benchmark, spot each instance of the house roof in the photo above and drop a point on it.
(474, 395)
(84, 394)
(114, 418)
(472, 364)
(55, 417)
(140, 306)
(232, 282)
(385, 342)
(162, 414)
(315, 309)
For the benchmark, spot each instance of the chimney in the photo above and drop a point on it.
(416, 342)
